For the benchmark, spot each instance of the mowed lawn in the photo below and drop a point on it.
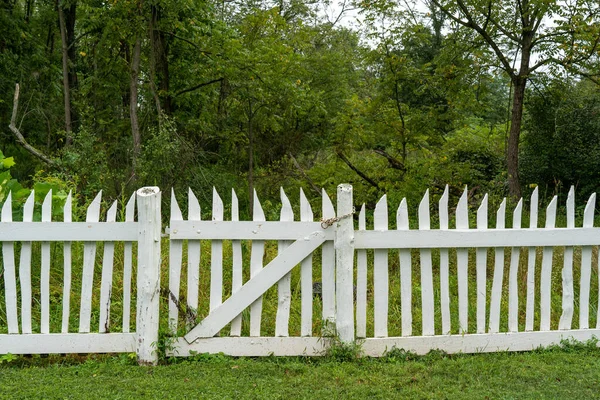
(571, 372)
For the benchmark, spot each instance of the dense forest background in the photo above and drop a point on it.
(500, 96)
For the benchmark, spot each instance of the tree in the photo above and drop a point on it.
(525, 36)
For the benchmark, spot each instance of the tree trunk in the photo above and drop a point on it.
(133, 102)
(512, 151)
(250, 160)
(65, 65)
(160, 51)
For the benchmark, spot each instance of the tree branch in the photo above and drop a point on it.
(299, 168)
(394, 162)
(353, 168)
(20, 137)
(198, 86)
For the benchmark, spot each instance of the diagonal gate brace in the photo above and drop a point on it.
(256, 287)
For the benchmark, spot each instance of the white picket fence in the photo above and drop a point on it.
(360, 299)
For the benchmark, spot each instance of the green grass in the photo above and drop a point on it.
(568, 372)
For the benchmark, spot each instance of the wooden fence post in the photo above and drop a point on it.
(148, 274)
(344, 257)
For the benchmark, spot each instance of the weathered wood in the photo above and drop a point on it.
(68, 232)
(427, 304)
(568, 294)
(89, 259)
(246, 230)
(193, 266)
(175, 260)
(148, 274)
(236, 273)
(344, 265)
(361, 282)
(127, 266)
(462, 265)
(481, 267)
(586, 267)
(444, 266)
(328, 262)
(25, 269)
(67, 266)
(546, 274)
(380, 272)
(107, 276)
(494, 324)
(513, 284)
(10, 280)
(284, 291)
(405, 273)
(45, 268)
(256, 265)
(252, 346)
(306, 315)
(216, 257)
(533, 224)
(69, 343)
(255, 287)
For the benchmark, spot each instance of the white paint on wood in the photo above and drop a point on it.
(586, 267)
(127, 266)
(67, 231)
(10, 280)
(494, 325)
(256, 265)
(193, 266)
(427, 304)
(175, 260)
(148, 274)
(444, 266)
(405, 273)
(236, 276)
(246, 230)
(256, 287)
(67, 266)
(252, 346)
(344, 265)
(25, 269)
(216, 257)
(568, 294)
(380, 272)
(361, 282)
(306, 315)
(45, 268)
(284, 290)
(328, 263)
(106, 283)
(513, 284)
(61, 343)
(481, 267)
(87, 278)
(533, 224)
(462, 265)
(546, 274)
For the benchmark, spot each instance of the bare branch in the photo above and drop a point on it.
(353, 168)
(198, 86)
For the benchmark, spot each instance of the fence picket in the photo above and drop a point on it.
(25, 269)
(45, 268)
(236, 277)
(107, 275)
(568, 294)
(67, 217)
(462, 265)
(284, 291)
(216, 257)
(175, 259)
(494, 325)
(546, 274)
(481, 267)
(89, 259)
(513, 288)
(10, 279)
(380, 272)
(405, 273)
(328, 264)
(127, 266)
(533, 224)
(306, 214)
(193, 266)
(427, 304)
(586, 267)
(444, 267)
(256, 265)
(361, 282)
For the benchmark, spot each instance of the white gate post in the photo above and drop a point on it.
(344, 265)
(148, 274)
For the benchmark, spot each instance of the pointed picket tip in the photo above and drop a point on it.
(111, 214)
(551, 213)
(571, 208)
(518, 211)
(68, 208)
(462, 211)
(217, 208)
(402, 215)
(482, 213)
(257, 211)
(443, 208)
(381, 203)
(7, 208)
(588, 213)
(380, 216)
(424, 217)
(176, 214)
(306, 213)
(28, 207)
(285, 201)
(362, 219)
(47, 207)
(93, 210)
(424, 201)
(130, 208)
(235, 207)
(327, 205)
(193, 206)
(501, 215)
(462, 202)
(533, 208)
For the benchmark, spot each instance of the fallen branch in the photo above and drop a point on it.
(394, 162)
(353, 168)
(19, 136)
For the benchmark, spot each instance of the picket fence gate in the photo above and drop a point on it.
(346, 297)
